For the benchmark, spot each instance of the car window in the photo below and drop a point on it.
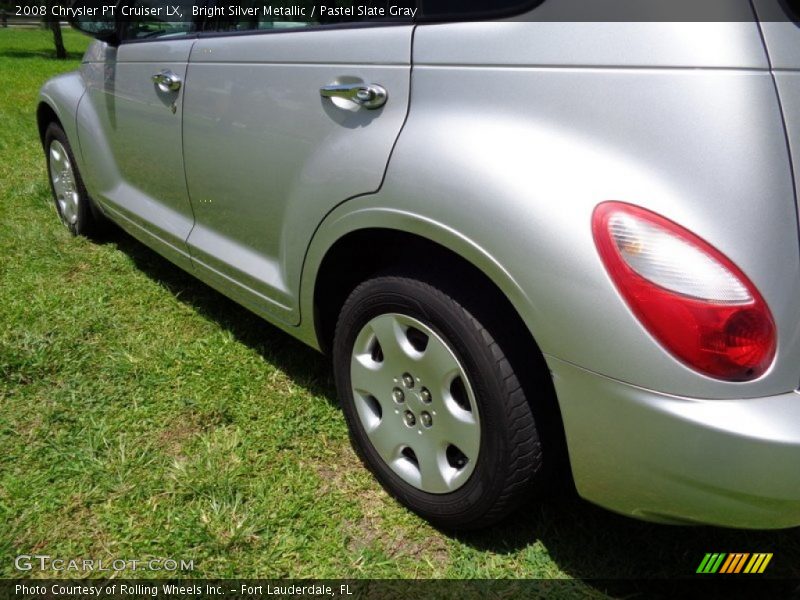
(251, 15)
(256, 15)
(474, 9)
(152, 19)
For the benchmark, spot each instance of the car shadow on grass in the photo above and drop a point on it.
(589, 542)
(304, 365)
(585, 541)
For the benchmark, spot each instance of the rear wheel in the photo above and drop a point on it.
(73, 204)
(434, 407)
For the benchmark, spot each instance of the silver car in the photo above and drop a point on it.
(532, 247)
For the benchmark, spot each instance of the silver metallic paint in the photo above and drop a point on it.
(682, 460)
(62, 94)
(131, 132)
(258, 98)
(515, 132)
(672, 141)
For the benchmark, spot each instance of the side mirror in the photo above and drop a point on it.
(97, 20)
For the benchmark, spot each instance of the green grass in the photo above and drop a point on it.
(143, 414)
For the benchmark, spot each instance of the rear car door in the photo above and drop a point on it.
(267, 155)
(129, 126)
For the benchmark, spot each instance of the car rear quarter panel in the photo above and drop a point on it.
(516, 131)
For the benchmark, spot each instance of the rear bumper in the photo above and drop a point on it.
(733, 463)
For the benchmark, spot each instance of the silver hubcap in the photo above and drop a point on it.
(415, 403)
(63, 178)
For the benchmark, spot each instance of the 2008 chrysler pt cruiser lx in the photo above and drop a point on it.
(530, 247)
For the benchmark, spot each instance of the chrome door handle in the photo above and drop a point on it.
(369, 96)
(167, 81)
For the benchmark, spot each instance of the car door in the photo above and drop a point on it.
(268, 151)
(129, 126)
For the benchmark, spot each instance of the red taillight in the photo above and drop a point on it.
(688, 295)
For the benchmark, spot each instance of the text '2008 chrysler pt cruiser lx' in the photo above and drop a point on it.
(518, 240)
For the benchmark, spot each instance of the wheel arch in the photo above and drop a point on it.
(363, 253)
(378, 245)
(351, 246)
(46, 114)
(58, 102)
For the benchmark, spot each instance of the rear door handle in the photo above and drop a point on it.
(167, 81)
(369, 96)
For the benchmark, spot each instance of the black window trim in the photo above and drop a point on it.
(519, 9)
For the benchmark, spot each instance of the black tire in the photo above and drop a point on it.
(510, 464)
(89, 221)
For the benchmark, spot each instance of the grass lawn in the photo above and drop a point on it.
(145, 415)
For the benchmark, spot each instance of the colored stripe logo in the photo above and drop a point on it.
(735, 562)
